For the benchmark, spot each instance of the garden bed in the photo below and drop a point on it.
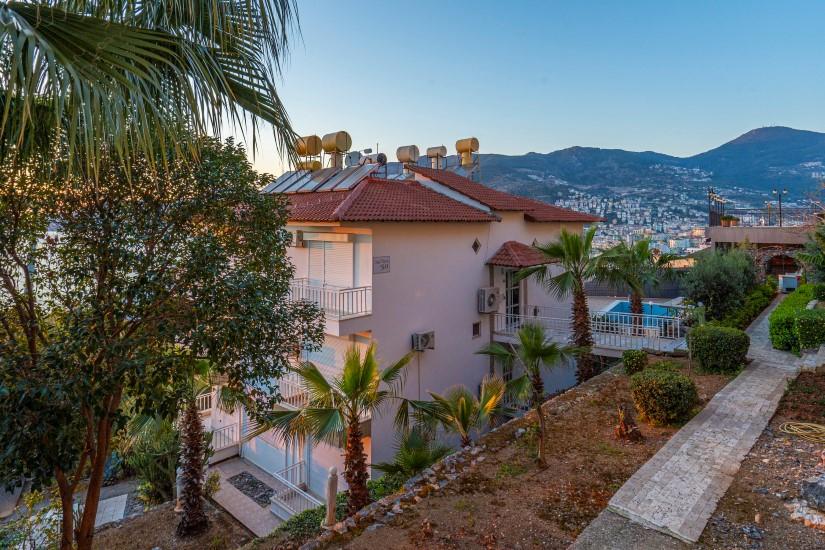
(503, 500)
(156, 529)
(754, 512)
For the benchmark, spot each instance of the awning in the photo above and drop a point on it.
(516, 254)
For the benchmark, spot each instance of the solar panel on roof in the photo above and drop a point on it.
(356, 175)
(337, 178)
(317, 179)
(304, 176)
(283, 182)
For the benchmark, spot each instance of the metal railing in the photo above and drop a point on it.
(292, 394)
(204, 402)
(610, 329)
(289, 499)
(337, 303)
(224, 437)
(766, 217)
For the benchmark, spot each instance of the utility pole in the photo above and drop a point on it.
(779, 194)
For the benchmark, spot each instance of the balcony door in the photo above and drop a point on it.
(330, 264)
(512, 294)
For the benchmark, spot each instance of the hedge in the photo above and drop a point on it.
(783, 318)
(809, 328)
(662, 395)
(755, 302)
(634, 360)
(718, 349)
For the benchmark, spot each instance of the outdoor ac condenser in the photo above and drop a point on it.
(488, 299)
(423, 340)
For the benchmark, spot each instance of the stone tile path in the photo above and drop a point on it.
(676, 491)
(259, 520)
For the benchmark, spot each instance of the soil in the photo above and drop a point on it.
(506, 501)
(770, 477)
(156, 529)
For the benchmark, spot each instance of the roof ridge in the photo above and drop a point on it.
(341, 210)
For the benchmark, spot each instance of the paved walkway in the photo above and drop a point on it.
(677, 490)
(260, 520)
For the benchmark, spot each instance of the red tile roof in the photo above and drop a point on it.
(516, 254)
(535, 211)
(383, 201)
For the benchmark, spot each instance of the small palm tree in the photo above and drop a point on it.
(417, 451)
(636, 266)
(458, 410)
(336, 408)
(574, 253)
(533, 352)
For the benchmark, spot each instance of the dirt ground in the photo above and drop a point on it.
(507, 502)
(770, 477)
(156, 528)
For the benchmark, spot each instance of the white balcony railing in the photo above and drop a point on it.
(204, 402)
(610, 329)
(224, 437)
(337, 303)
(290, 498)
(293, 396)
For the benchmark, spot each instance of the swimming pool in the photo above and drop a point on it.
(623, 306)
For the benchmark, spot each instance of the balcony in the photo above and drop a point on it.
(611, 330)
(346, 310)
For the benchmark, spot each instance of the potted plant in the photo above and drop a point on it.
(725, 221)
(734, 221)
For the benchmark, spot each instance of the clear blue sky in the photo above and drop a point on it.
(675, 77)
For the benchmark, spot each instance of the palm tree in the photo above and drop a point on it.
(574, 253)
(121, 76)
(416, 451)
(814, 254)
(458, 410)
(636, 266)
(533, 352)
(338, 405)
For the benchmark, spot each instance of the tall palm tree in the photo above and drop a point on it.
(124, 75)
(458, 410)
(574, 253)
(337, 407)
(533, 352)
(637, 266)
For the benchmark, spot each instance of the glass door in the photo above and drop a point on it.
(512, 299)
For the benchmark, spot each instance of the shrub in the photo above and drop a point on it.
(668, 366)
(717, 348)
(663, 396)
(634, 360)
(783, 318)
(755, 301)
(819, 291)
(212, 484)
(719, 280)
(154, 458)
(809, 328)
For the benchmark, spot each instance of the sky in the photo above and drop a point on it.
(674, 77)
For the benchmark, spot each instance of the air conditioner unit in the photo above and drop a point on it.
(488, 299)
(297, 238)
(423, 340)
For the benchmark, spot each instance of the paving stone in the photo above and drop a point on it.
(676, 491)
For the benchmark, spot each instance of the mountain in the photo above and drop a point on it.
(751, 164)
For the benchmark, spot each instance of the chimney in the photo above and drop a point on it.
(466, 147)
(335, 145)
(436, 154)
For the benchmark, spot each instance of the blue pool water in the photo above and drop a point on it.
(623, 306)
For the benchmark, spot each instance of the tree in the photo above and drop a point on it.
(533, 352)
(458, 410)
(637, 266)
(814, 254)
(114, 289)
(574, 253)
(417, 451)
(338, 405)
(720, 280)
(113, 78)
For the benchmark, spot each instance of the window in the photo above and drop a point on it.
(476, 246)
(476, 329)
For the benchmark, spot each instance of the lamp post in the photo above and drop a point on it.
(768, 206)
(779, 195)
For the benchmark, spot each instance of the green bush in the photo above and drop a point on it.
(634, 360)
(783, 318)
(819, 291)
(668, 366)
(720, 280)
(809, 328)
(663, 396)
(154, 458)
(755, 301)
(718, 349)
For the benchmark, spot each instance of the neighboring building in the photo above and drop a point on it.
(407, 257)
